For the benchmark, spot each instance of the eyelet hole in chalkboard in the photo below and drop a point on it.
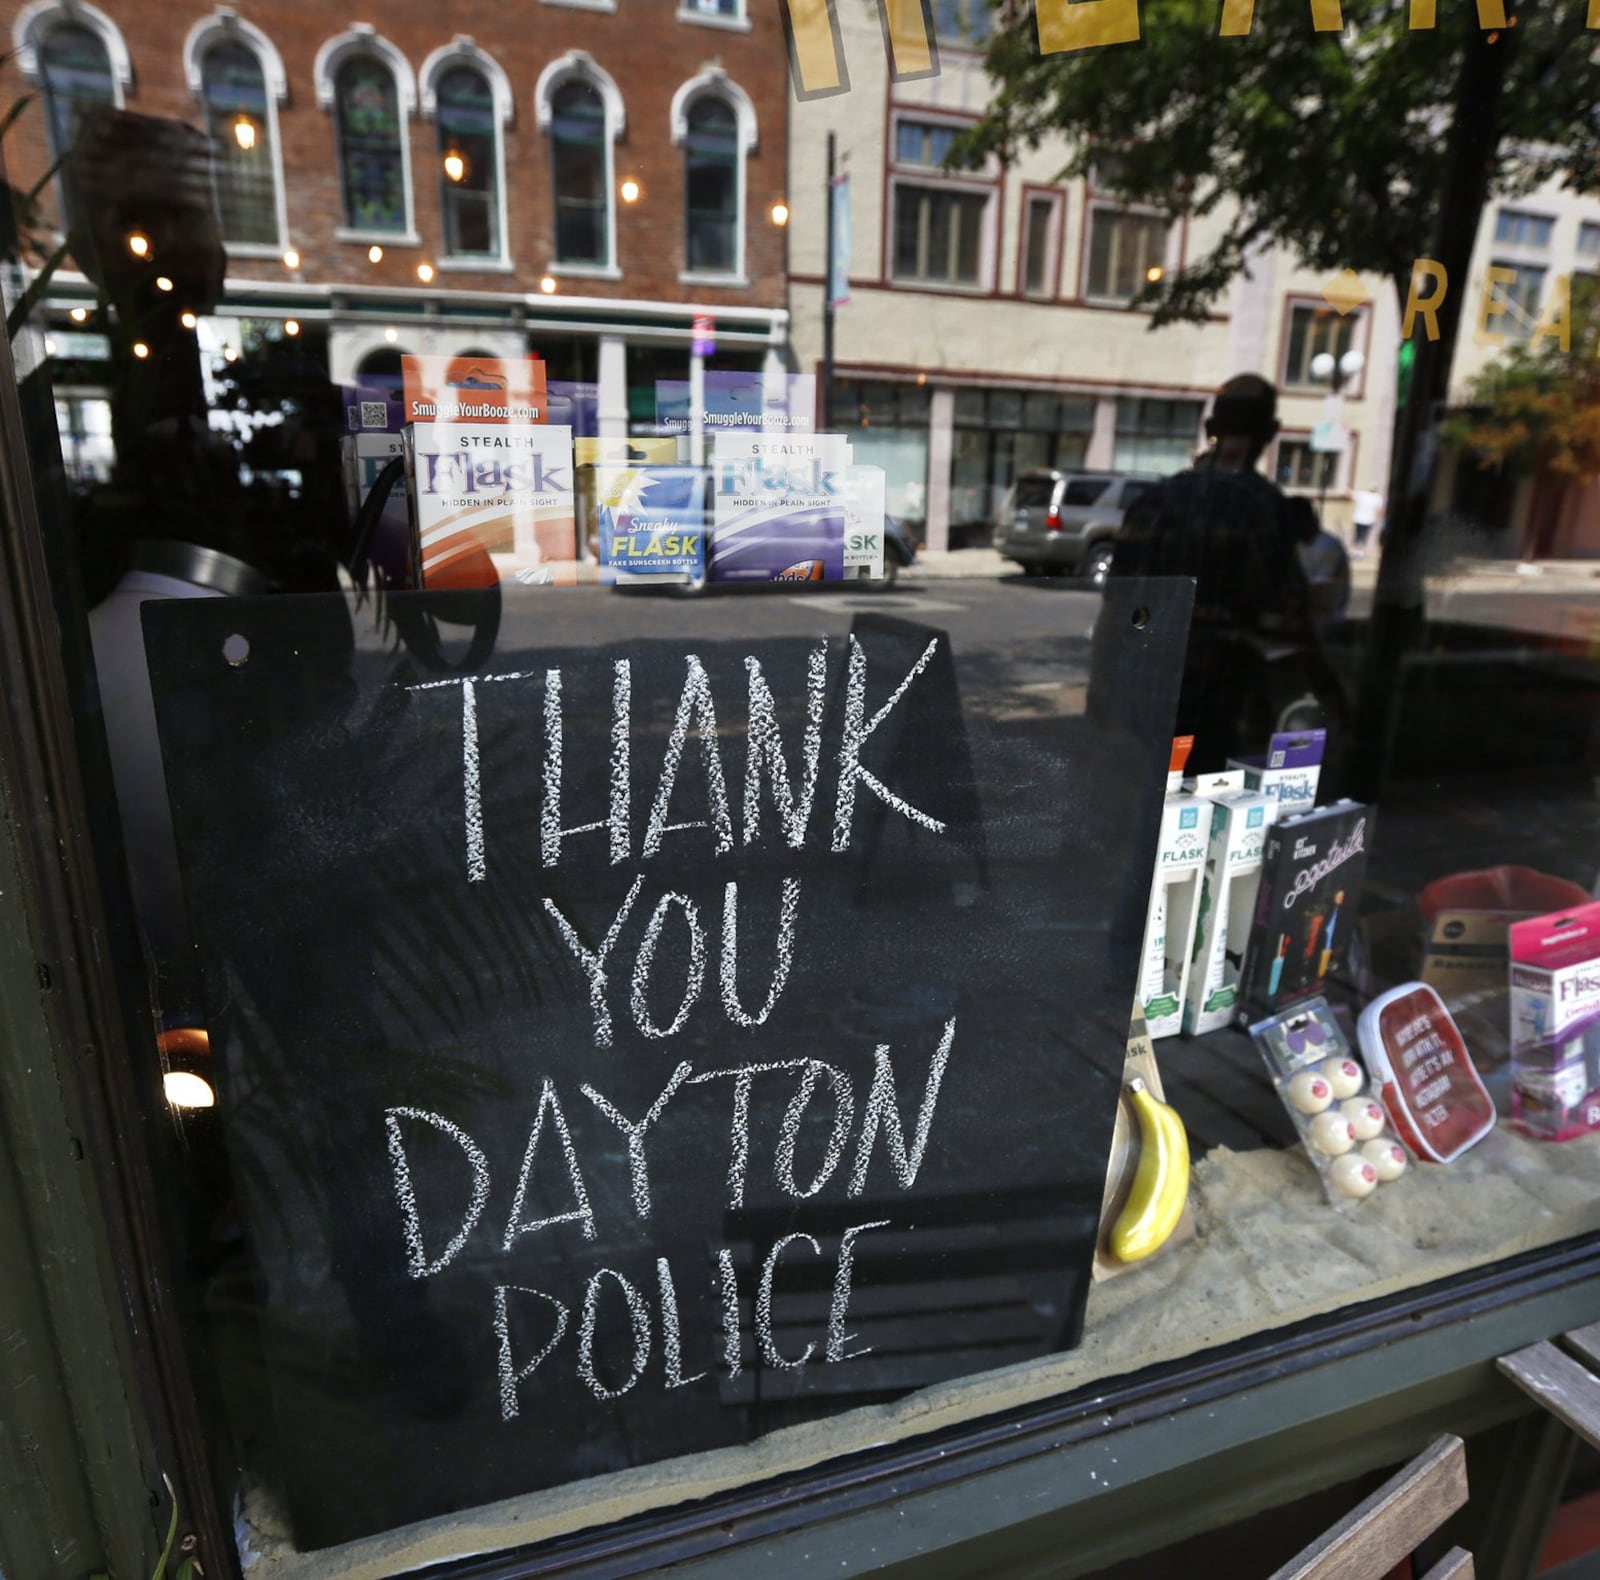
(1141, 618)
(236, 649)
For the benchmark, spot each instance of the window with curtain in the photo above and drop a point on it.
(578, 147)
(711, 155)
(371, 145)
(468, 164)
(75, 72)
(239, 123)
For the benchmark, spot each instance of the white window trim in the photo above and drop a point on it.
(1054, 241)
(578, 65)
(226, 23)
(584, 5)
(361, 39)
(1169, 259)
(463, 49)
(935, 180)
(714, 82)
(739, 22)
(34, 21)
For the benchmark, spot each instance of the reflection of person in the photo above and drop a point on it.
(1327, 566)
(1228, 527)
(1368, 510)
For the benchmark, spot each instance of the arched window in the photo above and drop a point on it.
(581, 150)
(711, 163)
(714, 122)
(469, 160)
(382, 363)
(74, 69)
(242, 128)
(371, 130)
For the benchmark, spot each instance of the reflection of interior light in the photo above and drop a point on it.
(291, 259)
(374, 253)
(79, 315)
(291, 326)
(138, 244)
(244, 132)
(163, 282)
(230, 353)
(49, 346)
(1154, 273)
(188, 320)
(548, 285)
(780, 213)
(391, 334)
(455, 165)
(186, 1090)
(424, 272)
(922, 378)
(140, 350)
(629, 190)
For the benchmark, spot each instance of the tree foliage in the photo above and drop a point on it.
(1334, 144)
(1537, 409)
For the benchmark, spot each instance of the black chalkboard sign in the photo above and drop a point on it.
(656, 1035)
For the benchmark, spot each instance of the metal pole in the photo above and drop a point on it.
(827, 294)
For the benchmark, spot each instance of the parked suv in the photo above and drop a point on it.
(1056, 522)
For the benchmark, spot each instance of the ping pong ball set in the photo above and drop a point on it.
(1342, 1124)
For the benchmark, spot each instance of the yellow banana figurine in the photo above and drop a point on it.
(1161, 1185)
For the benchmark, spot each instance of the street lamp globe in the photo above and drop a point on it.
(1322, 365)
(1351, 363)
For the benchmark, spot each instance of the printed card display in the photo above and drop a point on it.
(864, 530)
(763, 402)
(780, 507)
(1555, 1024)
(373, 437)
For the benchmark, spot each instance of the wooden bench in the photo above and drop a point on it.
(1564, 1376)
(1370, 1541)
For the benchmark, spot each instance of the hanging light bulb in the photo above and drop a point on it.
(548, 285)
(79, 315)
(629, 190)
(391, 334)
(140, 350)
(455, 165)
(244, 132)
(374, 253)
(188, 320)
(291, 327)
(163, 282)
(138, 244)
(291, 259)
(780, 214)
(425, 272)
(185, 1089)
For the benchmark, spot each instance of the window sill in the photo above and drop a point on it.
(254, 249)
(584, 5)
(585, 271)
(940, 287)
(735, 282)
(384, 238)
(476, 265)
(733, 24)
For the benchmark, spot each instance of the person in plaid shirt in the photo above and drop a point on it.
(1230, 529)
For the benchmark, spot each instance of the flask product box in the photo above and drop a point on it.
(1289, 772)
(1173, 911)
(1555, 1024)
(1434, 1095)
(1311, 872)
(1228, 887)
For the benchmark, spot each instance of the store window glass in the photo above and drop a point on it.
(469, 163)
(372, 134)
(711, 193)
(643, 966)
(243, 130)
(579, 148)
(1154, 435)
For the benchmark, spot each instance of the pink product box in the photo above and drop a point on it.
(1555, 1024)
